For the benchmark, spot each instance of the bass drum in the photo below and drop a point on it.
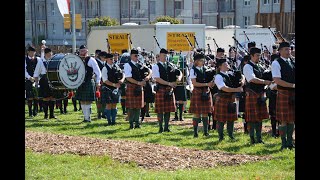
(65, 71)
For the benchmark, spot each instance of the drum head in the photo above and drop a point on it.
(71, 71)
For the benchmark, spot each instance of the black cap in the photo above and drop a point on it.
(232, 48)
(251, 44)
(105, 54)
(171, 51)
(198, 56)
(83, 47)
(47, 50)
(283, 44)
(124, 51)
(219, 62)
(134, 51)
(211, 56)
(30, 48)
(274, 46)
(98, 51)
(163, 51)
(255, 50)
(246, 58)
(220, 50)
(200, 50)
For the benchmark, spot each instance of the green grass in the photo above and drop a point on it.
(45, 166)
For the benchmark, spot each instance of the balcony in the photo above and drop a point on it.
(134, 13)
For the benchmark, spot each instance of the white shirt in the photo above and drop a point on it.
(248, 72)
(155, 70)
(218, 80)
(40, 68)
(192, 74)
(128, 69)
(104, 72)
(276, 68)
(93, 63)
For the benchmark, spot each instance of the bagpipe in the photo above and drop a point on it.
(235, 78)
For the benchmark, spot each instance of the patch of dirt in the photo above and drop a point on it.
(146, 155)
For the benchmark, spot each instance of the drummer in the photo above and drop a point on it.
(86, 91)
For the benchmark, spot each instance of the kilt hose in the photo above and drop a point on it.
(254, 111)
(285, 111)
(197, 105)
(86, 91)
(272, 103)
(221, 108)
(163, 105)
(132, 101)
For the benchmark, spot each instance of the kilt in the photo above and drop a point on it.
(197, 105)
(221, 108)
(180, 93)
(148, 95)
(123, 88)
(108, 97)
(30, 90)
(45, 91)
(254, 111)
(86, 91)
(132, 101)
(272, 95)
(163, 105)
(285, 111)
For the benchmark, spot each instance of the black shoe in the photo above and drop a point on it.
(291, 146)
(221, 139)
(252, 141)
(206, 134)
(175, 119)
(147, 115)
(181, 119)
(46, 117)
(195, 135)
(75, 109)
(113, 123)
(167, 130)
(99, 116)
(185, 111)
(282, 148)
(231, 137)
(86, 121)
(52, 117)
(260, 141)
(160, 129)
(137, 126)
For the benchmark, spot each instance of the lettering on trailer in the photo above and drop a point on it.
(178, 42)
(118, 41)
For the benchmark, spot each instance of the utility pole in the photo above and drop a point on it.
(73, 10)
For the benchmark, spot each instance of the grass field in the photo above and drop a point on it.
(67, 166)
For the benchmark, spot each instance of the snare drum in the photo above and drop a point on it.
(65, 71)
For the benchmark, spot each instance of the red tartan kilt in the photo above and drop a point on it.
(253, 111)
(198, 106)
(285, 112)
(132, 101)
(162, 105)
(221, 109)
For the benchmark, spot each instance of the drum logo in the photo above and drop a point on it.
(72, 70)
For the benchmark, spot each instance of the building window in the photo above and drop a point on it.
(53, 12)
(276, 1)
(247, 2)
(152, 7)
(227, 21)
(178, 4)
(246, 20)
(232, 4)
(53, 29)
(266, 2)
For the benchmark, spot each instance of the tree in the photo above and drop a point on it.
(103, 21)
(166, 19)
